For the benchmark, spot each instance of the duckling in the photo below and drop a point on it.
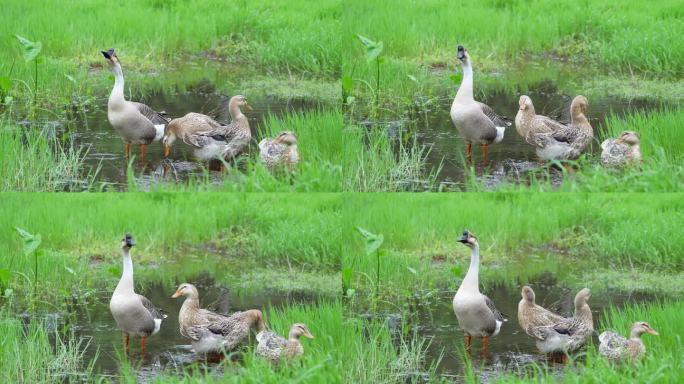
(274, 347)
(475, 121)
(135, 122)
(476, 313)
(615, 347)
(569, 142)
(528, 123)
(624, 150)
(280, 151)
(209, 138)
(210, 332)
(554, 333)
(134, 314)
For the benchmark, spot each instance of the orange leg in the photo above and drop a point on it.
(484, 153)
(468, 150)
(468, 337)
(127, 150)
(142, 345)
(126, 341)
(143, 147)
(484, 344)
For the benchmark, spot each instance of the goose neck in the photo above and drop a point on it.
(465, 91)
(126, 282)
(472, 277)
(117, 95)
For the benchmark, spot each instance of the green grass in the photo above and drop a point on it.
(571, 234)
(34, 160)
(300, 38)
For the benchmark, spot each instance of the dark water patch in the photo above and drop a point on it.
(511, 351)
(106, 149)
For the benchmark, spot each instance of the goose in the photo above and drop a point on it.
(615, 347)
(209, 332)
(279, 151)
(475, 121)
(552, 332)
(274, 347)
(528, 123)
(134, 314)
(624, 150)
(569, 142)
(476, 313)
(135, 122)
(209, 138)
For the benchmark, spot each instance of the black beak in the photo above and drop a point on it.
(108, 54)
(461, 52)
(464, 239)
(129, 240)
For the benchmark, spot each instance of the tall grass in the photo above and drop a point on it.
(35, 160)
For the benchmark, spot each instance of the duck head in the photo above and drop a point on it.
(641, 327)
(527, 294)
(185, 289)
(579, 105)
(286, 137)
(239, 101)
(299, 329)
(525, 103)
(628, 137)
(582, 297)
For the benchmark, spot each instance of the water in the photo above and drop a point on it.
(166, 351)
(511, 351)
(106, 149)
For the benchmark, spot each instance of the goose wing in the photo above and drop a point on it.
(154, 311)
(155, 117)
(497, 120)
(497, 314)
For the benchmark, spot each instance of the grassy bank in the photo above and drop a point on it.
(420, 39)
(522, 235)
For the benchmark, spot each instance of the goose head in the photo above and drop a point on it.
(286, 137)
(525, 103)
(629, 137)
(239, 101)
(299, 329)
(468, 238)
(112, 59)
(641, 327)
(527, 294)
(187, 290)
(462, 54)
(127, 242)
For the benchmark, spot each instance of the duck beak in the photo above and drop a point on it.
(653, 332)
(167, 150)
(309, 335)
(249, 107)
(176, 294)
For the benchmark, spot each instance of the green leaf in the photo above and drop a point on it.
(412, 270)
(456, 79)
(8, 292)
(31, 49)
(347, 84)
(457, 271)
(70, 78)
(8, 100)
(350, 100)
(5, 83)
(114, 270)
(413, 78)
(5, 274)
(373, 49)
(373, 241)
(31, 242)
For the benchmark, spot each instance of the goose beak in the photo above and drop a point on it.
(176, 295)
(464, 238)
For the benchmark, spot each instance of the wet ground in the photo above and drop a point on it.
(106, 150)
(512, 351)
(166, 351)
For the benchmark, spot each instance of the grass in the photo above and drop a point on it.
(572, 234)
(35, 160)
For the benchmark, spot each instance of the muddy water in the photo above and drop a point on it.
(511, 351)
(166, 351)
(106, 150)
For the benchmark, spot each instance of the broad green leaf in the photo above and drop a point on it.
(412, 270)
(31, 49)
(456, 79)
(31, 242)
(5, 83)
(413, 78)
(114, 270)
(457, 271)
(373, 49)
(373, 241)
(4, 276)
(347, 83)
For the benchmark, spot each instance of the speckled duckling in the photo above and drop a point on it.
(616, 347)
(275, 347)
(625, 150)
(281, 151)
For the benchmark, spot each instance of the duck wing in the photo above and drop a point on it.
(155, 117)
(497, 120)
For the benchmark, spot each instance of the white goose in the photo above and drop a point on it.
(135, 122)
(476, 313)
(477, 122)
(134, 314)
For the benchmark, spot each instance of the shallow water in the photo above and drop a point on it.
(511, 351)
(166, 351)
(106, 150)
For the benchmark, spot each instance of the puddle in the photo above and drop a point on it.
(167, 351)
(512, 351)
(106, 150)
